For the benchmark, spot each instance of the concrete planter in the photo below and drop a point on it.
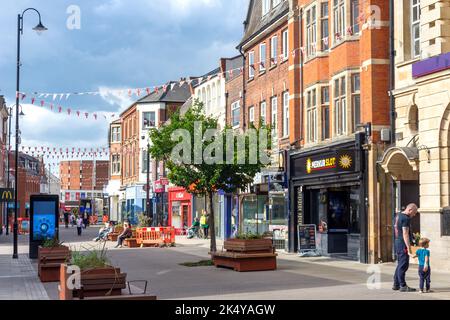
(248, 246)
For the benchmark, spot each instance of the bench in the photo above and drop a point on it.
(242, 262)
(131, 243)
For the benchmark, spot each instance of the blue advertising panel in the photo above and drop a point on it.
(44, 226)
(44, 220)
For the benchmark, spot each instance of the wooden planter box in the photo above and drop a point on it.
(49, 262)
(247, 255)
(101, 282)
(257, 245)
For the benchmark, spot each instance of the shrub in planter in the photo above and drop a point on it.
(97, 278)
(249, 242)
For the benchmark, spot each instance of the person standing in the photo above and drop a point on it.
(79, 225)
(424, 265)
(204, 224)
(403, 236)
(66, 219)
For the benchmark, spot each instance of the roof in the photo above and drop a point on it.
(184, 108)
(233, 64)
(255, 23)
(204, 78)
(175, 92)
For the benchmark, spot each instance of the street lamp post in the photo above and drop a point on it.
(39, 28)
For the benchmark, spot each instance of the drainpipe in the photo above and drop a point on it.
(392, 54)
(302, 84)
(243, 87)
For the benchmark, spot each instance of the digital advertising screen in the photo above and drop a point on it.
(44, 220)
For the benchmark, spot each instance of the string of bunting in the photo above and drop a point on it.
(36, 97)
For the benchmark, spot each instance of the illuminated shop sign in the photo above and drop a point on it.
(331, 162)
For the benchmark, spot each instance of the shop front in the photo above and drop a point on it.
(327, 188)
(180, 209)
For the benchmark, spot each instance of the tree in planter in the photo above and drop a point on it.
(204, 160)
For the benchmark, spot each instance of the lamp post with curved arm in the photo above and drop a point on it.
(39, 28)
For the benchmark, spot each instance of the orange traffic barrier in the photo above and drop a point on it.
(155, 236)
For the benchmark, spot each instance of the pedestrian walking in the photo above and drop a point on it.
(403, 239)
(85, 220)
(424, 265)
(204, 224)
(79, 225)
(66, 219)
(73, 220)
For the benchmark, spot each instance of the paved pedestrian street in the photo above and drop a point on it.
(296, 278)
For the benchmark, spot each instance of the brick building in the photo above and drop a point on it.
(82, 180)
(4, 116)
(339, 79)
(115, 169)
(265, 99)
(149, 112)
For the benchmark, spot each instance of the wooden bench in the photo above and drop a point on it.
(131, 243)
(242, 262)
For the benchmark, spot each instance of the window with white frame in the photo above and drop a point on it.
(340, 106)
(115, 164)
(263, 107)
(311, 115)
(251, 116)
(262, 57)
(339, 20)
(251, 64)
(285, 44)
(286, 114)
(274, 122)
(274, 50)
(149, 120)
(235, 114)
(356, 100)
(325, 31)
(265, 7)
(214, 96)
(354, 7)
(325, 102)
(415, 27)
(311, 31)
(116, 134)
(208, 100)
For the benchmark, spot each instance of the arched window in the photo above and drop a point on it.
(208, 99)
(214, 97)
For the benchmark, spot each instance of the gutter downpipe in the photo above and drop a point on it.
(392, 54)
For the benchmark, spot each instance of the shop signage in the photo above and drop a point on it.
(7, 195)
(331, 162)
(307, 237)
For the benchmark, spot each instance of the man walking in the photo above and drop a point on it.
(402, 232)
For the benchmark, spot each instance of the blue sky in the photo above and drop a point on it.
(121, 44)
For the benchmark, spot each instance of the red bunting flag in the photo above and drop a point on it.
(148, 90)
(69, 111)
(42, 103)
(78, 113)
(32, 100)
(86, 114)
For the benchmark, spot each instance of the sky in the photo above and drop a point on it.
(119, 44)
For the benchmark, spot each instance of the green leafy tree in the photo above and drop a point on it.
(206, 177)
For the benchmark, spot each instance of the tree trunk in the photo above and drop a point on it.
(211, 222)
